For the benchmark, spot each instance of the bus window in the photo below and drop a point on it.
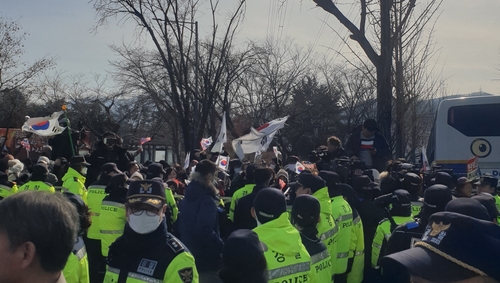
(475, 120)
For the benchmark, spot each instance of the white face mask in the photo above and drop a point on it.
(84, 171)
(143, 224)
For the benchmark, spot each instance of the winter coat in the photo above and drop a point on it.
(353, 145)
(198, 223)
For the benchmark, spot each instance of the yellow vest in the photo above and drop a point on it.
(416, 207)
(245, 190)
(37, 186)
(74, 182)
(287, 258)
(112, 220)
(95, 195)
(77, 266)
(357, 251)
(497, 203)
(321, 266)
(180, 270)
(6, 191)
(327, 228)
(172, 204)
(342, 212)
(382, 234)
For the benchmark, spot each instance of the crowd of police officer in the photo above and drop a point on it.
(339, 220)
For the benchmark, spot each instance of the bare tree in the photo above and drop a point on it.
(171, 25)
(16, 74)
(382, 61)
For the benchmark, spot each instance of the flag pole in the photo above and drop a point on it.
(69, 129)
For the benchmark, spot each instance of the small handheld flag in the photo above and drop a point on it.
(26, 144)
(144, 140)
(205, 143)
(299, 167)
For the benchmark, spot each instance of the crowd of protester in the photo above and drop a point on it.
(352, 216)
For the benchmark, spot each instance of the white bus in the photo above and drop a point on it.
(467, 127)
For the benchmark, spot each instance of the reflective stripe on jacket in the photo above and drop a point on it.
(112, 220)
(95, 195)
(342, 213)
(287, 258)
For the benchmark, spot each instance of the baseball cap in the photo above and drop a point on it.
(468, 206)
(269, 204)
(78, 160)
(488, 179)
(488, 201)
(436, 197)
(331, 178)
(146, 191)
(110, 167)
(155, 169)
(305, 211)
(463, 180)
(308, 180)
(411, 182)
(443, 178)
(403, 198)
(43, 159)
(40, 169)
(454, 247)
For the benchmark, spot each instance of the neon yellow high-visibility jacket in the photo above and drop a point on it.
(74, 182)
(112, 220)
(6, 191)
(357, 250)
(383, 234)
(416, 207)
(241, 192)
(95, 195)
(497, 203)
(77, 266)
(172, 204)
(342, 213)
(155, 257)
(37, 186)
(321, 261)
(287, 258)
(327, 228)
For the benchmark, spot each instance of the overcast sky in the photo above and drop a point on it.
(467, 34)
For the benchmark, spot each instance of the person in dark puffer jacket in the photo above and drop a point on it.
(199, 223)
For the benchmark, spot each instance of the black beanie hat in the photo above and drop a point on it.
(269, 204)
(305, 211)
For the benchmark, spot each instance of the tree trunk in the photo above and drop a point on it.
(384, 87)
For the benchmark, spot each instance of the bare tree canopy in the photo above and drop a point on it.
(15, 73)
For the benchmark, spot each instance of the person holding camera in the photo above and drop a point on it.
(367, 144)
(326, 154)
(400, 213)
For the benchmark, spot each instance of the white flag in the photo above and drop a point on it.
(186, 161)
(222, 162)
(205, 143)
(44, 126)
(258, 139)
(222, 138)
(299, 167)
